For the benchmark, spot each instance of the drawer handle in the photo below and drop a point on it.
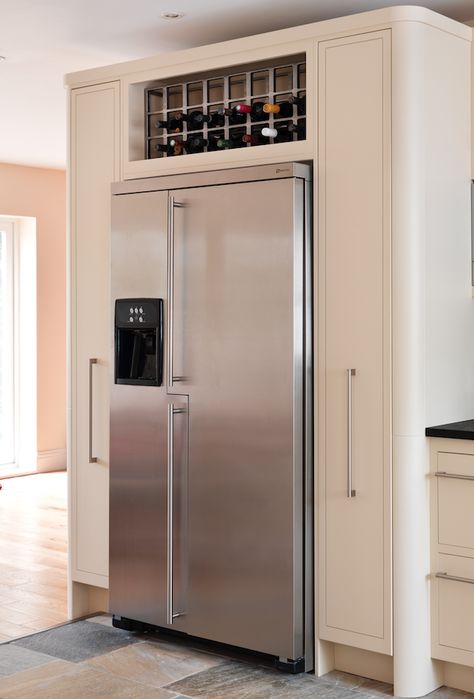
(455, 578)
(444, 474)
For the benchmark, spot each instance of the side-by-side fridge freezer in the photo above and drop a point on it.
(211, 408)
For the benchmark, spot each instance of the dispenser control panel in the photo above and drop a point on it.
(141, 312)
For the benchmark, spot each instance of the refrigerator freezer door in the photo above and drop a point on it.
(138, 439)
(238, 280)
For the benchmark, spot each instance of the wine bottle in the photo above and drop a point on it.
(299, 129)
(256, 110)
(196, 120)
(222, 143)
(195, 144)
(300, 103)
(234, 141)
(254, 139)
(172, 124)
(168, 148)
(283, 109)
(267, 132)
(235, 117)
(176, 145)
(279, 135)
(217, 118)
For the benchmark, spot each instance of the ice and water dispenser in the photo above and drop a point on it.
(139, 342)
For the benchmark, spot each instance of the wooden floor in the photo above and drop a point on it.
(33, 553)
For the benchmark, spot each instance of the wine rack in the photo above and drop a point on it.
(271, 85)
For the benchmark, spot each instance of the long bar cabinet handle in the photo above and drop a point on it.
(459, 476)
(455, 578)
(172, 205)
(351, 493)
(92, 361)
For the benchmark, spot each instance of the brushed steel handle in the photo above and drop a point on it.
(459, 476)
(92, 361)
(172, 205)
(172, 411)
(170, 459)
(455, 578)
(351, 493)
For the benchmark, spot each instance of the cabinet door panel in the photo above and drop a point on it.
(453, 605)
(354, 286)
(94, 158)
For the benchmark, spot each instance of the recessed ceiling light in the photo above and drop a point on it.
(172, 15)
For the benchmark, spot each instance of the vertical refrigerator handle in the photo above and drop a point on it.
(92, 459)
(172, 205)
(172, 410)
(350, 491)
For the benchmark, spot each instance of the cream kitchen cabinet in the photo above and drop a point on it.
(452, 550)
(94, 164)
(354, 377)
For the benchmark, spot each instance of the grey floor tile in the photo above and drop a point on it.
(154, 664)
(359, 685)
(448, 693)
(233, 680)
(15, 659)
(79, 641)
(61, 680)
(104, 619)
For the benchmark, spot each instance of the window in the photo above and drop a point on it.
(18, 409)
(7, 343)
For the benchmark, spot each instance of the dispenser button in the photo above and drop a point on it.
(131, 310)
(131, 319)
(140, 319)
(136, 310)
(140, 310)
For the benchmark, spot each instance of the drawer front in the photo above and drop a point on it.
(455, 604)
(455, 500)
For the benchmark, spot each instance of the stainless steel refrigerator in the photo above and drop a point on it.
(211, 427)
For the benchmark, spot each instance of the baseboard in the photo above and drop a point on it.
(365, 663)
(51, 460)
(459, 677)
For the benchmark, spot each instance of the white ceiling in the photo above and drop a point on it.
(44, 39)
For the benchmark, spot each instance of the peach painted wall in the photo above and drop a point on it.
(38, 192)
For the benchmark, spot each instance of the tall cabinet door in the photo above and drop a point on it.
(354, 340)
(94, 164)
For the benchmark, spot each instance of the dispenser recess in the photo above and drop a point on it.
(139, 341)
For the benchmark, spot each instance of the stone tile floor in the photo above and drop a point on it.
(90, 659)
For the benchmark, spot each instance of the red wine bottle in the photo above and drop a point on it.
(234, 115)
(177, 145)
(256, 110)
(282, 109)
(254, 139)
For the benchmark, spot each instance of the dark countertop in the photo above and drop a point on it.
(453, 430)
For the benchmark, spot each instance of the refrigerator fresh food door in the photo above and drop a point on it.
(139, 465)
(238, 350)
